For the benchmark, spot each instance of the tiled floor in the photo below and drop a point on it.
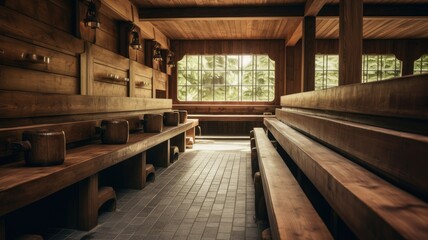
(207, 194)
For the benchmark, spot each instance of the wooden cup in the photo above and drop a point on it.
(42, 148)
(115, 131)
(171, 118)
(153, 123)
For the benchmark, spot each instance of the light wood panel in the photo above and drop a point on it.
(227, 29)
(379, 28)
(187, 3)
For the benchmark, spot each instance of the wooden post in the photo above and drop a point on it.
(159, 155)
(350, 41)
(87, 217)
(308, 53)
(191, 133)
(179, 141)
(132, 172)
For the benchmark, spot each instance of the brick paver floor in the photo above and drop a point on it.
(207, 194)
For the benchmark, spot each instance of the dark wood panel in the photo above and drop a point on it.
(293, 71)
(222, 128)
(308, 54)
(55, 13)
(350, 41)
(381, 149)
(226, 108)
(16, 24)
(357, 195)
(400, 97)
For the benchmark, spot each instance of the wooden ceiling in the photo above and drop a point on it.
(280, 25)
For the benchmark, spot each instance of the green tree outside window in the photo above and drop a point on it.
(226, 78)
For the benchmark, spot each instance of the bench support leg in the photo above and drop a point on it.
(159, 155)
(87, 217)
(132, 172)
(191, 133)
(179, 141)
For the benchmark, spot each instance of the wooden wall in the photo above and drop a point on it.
(274, 48)
(406, 50)
(73, 59)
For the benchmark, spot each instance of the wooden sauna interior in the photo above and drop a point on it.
(335, 93)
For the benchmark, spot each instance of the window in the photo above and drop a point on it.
(375, 68)
(226, 78)
(326, 71)
(421, 65)
(380, 67)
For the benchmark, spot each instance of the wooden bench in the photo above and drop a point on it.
(86, 158)
(228, 124)
(291, 215)
(363, 148)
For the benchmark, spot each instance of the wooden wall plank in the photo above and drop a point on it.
(17, 79)
(405, 97)
(46, 11)
(17, 104)
(16, 24)
(59, 63)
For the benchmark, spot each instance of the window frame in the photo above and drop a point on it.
(423, 59)
(271, 74)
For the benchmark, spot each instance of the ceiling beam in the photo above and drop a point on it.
(381, 10)
(312, 7)
(321, 10)
(295, 36)
(223, 13)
